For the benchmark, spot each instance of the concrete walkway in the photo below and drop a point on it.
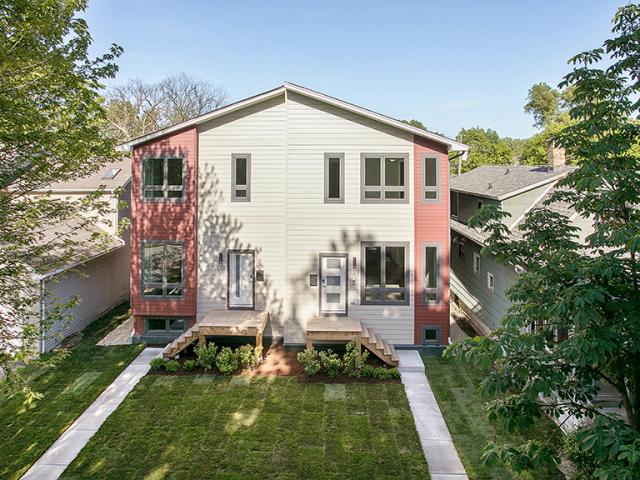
(54, 461)
(442, 457)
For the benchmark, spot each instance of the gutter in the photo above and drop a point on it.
(55, 272)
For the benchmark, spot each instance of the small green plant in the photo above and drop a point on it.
(382, 373)
(157, 364)
(368, 371)
(227, 361)
(206, 354)
(172, 366)
(309, 359)
(249, 357)
(331, 363)
(189, 365)
(349, 360)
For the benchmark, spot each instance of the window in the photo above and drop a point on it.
(476, 262)
(241, 183)
(461, 248)
(384, 178)
(162, 268)
(430, 190)
(455, 202)
(165, 325)
(490, 283)
(333, 178)
(385, 273)
(163, 178)
(431, 274)
(430, 335)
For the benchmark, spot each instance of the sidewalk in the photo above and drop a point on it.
(66, 448)
(442, 457)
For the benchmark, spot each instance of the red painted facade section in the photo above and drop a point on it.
(165, 220)
(431, 225)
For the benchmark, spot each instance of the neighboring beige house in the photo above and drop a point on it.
(102, 281)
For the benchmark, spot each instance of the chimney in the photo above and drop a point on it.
(555, 156)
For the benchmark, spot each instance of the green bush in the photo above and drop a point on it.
(172, 366)
(227, 361)
(368, 371)
(309, 359)
(382, 373)
(349, 360)
(206, 354)
(189, 365)
(248, 356)
(157, 364)
(331, 363)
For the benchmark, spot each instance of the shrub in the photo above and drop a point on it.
(189, 365)
(249, 357)
(382, 373)
(330, 363)
(309, 361)
(206, 354)
(349, 360)
(171, 366)
(157, 364)
(368, 371)
(227, 361)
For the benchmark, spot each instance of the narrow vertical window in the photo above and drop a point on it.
(431, 274)
(241, 178)
(476, 262)
(430, 190)
(454, 198)
(490, 281)
(334, 178)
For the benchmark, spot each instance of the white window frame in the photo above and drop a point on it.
(491, 282)
(165, 188)
(432, 188)
(235, 186)
(382, 188)
(426, 291)
(476, 263)
(327, 158)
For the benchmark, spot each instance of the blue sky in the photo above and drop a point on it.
(450, 64)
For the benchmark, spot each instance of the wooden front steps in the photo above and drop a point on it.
(222, 323)
(347, 329)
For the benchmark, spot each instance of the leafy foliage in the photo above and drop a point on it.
(485, 148)
(249, 356)
(172, 366)
(310, 361)
(227, 361)
(349, 360)
(331, 363)
(189, 365)
(206, 354)
(157, 364)
(582, 300)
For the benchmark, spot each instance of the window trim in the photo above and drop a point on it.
(462, 249)
(165, 186)
(423, 170)
(438, 287)
(164, 296)
(383, 156)
(491, 282)
(476, 266)
(435, 328)
(454, 194)
(328, 156)
(234, 186)
(407, 275)
(167, 322)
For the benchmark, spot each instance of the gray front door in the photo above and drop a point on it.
(333, 284)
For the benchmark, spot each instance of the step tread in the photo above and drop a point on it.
(365, 331)
(386, 348)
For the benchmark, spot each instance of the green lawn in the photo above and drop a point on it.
(455, 386)
(191, 427)
(68, 389)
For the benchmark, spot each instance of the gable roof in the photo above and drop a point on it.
(291, 87)
(503, 181)
(94, 181)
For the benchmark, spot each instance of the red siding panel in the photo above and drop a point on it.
(431, 225)
(165, 220)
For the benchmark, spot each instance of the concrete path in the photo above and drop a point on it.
(54, 461)
(442, 457)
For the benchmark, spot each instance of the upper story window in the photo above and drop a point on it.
(334, 178)
(455, 203)
(241, 178)
(385, 273)
(163, 178)
(431, 280)
(162, 268)
(430, 184)
(384, 178)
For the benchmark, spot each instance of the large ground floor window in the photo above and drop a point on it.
(385, 273)
(162, 268)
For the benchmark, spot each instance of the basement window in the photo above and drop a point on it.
(430, 335)
(165, 325)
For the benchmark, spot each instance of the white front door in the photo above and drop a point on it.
(241, 279)
(333, 284)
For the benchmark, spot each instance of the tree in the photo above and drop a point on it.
(582, 300)
(415, 123)
(50, 131)
(543, 103)
(485, 148)
(138, 108)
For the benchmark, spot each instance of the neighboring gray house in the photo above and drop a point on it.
(102, 281)
(478, 283)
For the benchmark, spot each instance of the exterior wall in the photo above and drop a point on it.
(431, 220)
(165, 220)
(101, 284)
(468, 205)
(518, 205)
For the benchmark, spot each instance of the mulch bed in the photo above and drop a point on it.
(282, 363)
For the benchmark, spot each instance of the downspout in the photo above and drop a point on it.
(461, 157)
